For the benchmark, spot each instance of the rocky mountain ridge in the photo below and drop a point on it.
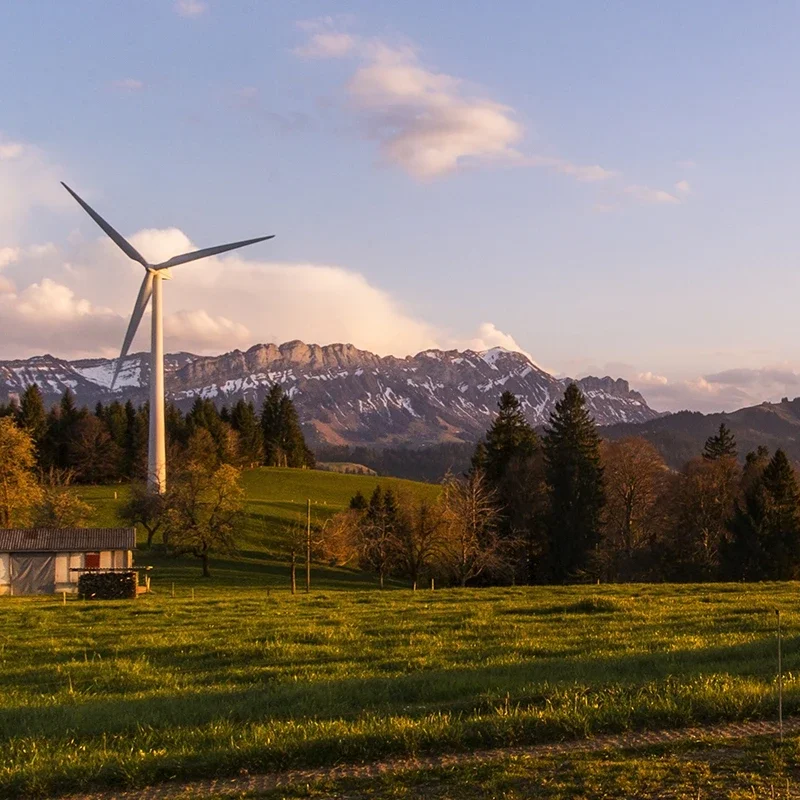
(343, 395)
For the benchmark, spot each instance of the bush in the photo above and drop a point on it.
(107, 585)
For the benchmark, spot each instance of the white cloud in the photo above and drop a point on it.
(326, 44)
(28, 180)
(428, 123)
(48, 316)
(684, 187)
(9, 150)
(190, 8)
(8, 255)
(129, 85)
(644, 194)
(488, 336)
(204, 330)
(424, 121)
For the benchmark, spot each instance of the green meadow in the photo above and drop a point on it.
(276, 499)
(126, 693)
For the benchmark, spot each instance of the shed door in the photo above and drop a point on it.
(33, 573)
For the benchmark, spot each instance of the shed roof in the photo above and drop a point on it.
(15, 540)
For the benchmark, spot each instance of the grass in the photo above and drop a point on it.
(123, 693)
(735, 770)
(275, 499)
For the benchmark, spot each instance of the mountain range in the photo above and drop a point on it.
(344, 396)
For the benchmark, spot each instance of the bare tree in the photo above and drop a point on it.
(472, 544)
(59, 506)
(635, 480)
(146, 509)
(341, 541)
(418, 541)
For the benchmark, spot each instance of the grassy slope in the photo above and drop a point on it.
(129, 692)
(276, 499)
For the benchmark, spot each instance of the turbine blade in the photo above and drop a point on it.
(209, 251)
(120, 241)
(141, 304)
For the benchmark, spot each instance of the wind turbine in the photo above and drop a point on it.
(151, 287)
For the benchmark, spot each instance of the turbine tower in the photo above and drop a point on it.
(151, 287)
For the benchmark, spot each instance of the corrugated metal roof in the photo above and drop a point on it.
(15, 540)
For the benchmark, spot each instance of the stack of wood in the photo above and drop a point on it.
(107, 585)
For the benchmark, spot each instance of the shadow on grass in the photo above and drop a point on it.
(637, 684)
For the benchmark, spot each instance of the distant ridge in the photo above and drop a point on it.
(343, 395)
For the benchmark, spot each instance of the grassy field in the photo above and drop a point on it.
(129, 692)
(275, 499)
(716, 769)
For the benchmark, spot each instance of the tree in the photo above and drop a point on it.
(379, 526)
(509, 437)
(635, 480)
(418, 540)
(472, 545)
(358, 502)
(722, 445)
(341, 541)
(284, 443)
(576, 496)
(19, 491)
(764, 541)
(701, 498)
(33, 417)
(146, 509)
(59, 506)
(251, 440)
(91, 452)
(204, 507)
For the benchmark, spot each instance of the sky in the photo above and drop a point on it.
(610, 187)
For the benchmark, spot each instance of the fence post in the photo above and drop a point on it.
(294, 572)
(308, 546)
(780, 676)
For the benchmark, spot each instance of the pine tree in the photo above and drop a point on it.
(32, 416)
(246, 425)
(722, 445)
(358, 502)
(271, 427)
(510, 437)
(764, 541)
(576, 496)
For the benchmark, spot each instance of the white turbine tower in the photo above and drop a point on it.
(151, 287)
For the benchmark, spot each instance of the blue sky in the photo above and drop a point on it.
(610, 187)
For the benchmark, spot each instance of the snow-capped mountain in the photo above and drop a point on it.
(343, 395)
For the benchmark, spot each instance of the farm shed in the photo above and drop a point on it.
(47, 560)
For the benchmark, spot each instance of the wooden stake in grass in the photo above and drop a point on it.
(173, 590)
(780, 676)
(63, 598)
(308, 545)
(433, 586)
(294, 571)
(192, 592)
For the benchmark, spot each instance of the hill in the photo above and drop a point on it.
(343, 395)
(680, 436)
(275, 500)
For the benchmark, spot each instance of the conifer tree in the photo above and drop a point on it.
(764, 541)
(271, 427)
(575, 491)
(509, 437)
(246, 425)
(721, 445)
(32, 416)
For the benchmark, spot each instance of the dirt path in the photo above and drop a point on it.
(273, 780)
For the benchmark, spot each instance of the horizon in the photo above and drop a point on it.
(423, 194)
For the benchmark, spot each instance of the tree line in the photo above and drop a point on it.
(109, 444)
(567, 506)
